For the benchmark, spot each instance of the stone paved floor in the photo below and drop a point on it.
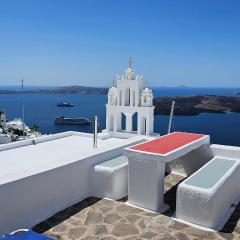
(100, 219)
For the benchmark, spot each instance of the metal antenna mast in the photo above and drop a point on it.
(95, 131)
(171, 117)
(23, 110)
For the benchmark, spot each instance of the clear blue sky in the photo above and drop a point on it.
(86, 42)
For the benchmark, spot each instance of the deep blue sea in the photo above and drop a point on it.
(41, 109)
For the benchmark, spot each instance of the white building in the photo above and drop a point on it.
(127, 98)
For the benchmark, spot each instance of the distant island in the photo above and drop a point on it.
(194, 105)
(59, 90)
(190, 105)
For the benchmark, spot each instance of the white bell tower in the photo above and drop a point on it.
(129, 97)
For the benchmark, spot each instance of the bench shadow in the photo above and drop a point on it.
(170, 198)
(64, 215)
(232, 221)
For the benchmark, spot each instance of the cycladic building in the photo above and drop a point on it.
(128, 97)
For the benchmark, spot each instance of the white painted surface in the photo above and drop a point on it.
(37, 181)
(146, 184)
(110, 179)
(226, 151)
(39, 157)
(191, 162)
(211, 206)
(127, 98)
(5, 138)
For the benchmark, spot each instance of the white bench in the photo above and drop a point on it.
(208, 197)
(110, 178)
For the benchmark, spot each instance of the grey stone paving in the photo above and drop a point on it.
(100, 219)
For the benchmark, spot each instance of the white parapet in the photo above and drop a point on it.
(41, 177)
(209, 196)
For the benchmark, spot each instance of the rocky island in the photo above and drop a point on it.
(194, 105)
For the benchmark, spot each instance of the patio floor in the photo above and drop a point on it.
(100, 219)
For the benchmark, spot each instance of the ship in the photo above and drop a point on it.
(72, 121)
(65, 104)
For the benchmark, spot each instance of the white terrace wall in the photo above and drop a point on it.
(32, 199)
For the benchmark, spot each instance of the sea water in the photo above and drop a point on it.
(41, 109)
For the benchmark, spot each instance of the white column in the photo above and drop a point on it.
(151, 120)
(128, 122)
(118, 98)
(117, 121)
(147, 125)
(107, 119)
(131, 97)
(139, 123)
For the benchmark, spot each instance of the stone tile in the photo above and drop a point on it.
(105, 209)
(159, 229)
(74, 221)
(227, 236)
(97, 230)
(123, 208)
(77, 233)
(135, 211)
(123, 230)
(132, 218)
(148, 235)
(108, 238)
(198, 233)
(90, 238)
(59, 228)
(144, 222)
(177, 225)
(130, 238)
(165, 236)
(112, 218)
(94, 217)
(108, 203)
(181, 236)
(162, 220)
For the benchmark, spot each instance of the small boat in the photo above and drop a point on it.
(65, 104)
(74, 121)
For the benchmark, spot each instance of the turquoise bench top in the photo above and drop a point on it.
(209, 175)
(115, 162)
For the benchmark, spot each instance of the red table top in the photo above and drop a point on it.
(168, 143)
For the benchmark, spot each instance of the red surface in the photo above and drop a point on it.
(168, 143)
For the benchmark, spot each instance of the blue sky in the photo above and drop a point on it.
(86, 42)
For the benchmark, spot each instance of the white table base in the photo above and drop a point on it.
(146, 184)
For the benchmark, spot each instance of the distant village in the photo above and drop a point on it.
(15, 129)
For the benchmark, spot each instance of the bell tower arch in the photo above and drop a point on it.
(127, 97)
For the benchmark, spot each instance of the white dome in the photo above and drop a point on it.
(147, 91)
(130, 74)
(112, 90)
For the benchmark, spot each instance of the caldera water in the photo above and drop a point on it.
(41, 109)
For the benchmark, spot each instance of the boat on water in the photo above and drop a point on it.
(65, 104)
(77, 121)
